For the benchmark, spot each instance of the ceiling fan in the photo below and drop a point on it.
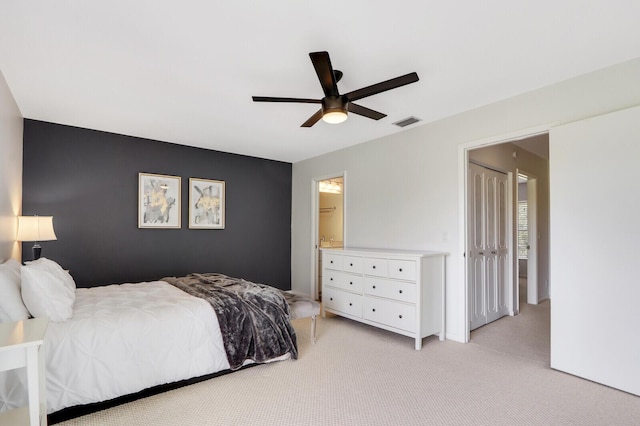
(334, 105)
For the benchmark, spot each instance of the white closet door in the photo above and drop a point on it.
(488, 245)
(497, 251)
(476, 266)
(594, 249)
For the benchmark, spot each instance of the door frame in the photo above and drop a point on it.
(463, 160)
(315, 225)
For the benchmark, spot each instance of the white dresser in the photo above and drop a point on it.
(399, 291)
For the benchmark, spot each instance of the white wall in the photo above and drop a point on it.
(10, 171)
(402, 190)
(594, 216)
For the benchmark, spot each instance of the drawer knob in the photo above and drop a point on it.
(350, 304)
(400, 316)
(350, 282)
(330, 279)
(351, 264)
(374, 266)
(400, 291)
(331, 298)
(374, 309)
(331, 261)
(374, 287)
(400, 269)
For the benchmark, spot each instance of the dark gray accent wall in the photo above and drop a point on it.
(88, 181)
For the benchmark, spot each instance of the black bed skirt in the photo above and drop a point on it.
(82, 410)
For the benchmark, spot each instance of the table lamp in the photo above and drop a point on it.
(36, 228)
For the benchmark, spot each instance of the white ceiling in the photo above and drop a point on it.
(185, 71)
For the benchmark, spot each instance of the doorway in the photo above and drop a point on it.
(518, 152)
(329, 222)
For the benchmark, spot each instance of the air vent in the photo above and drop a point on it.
(407, 121)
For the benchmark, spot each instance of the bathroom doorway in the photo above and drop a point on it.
(329, 220)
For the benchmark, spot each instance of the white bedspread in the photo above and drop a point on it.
(121, 340)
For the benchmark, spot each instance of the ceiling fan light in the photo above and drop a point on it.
(334, 117)
(334, 109)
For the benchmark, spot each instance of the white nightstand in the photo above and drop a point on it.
(21, 345)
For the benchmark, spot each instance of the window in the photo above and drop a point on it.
(523, 231)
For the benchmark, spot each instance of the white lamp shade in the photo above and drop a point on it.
(35, 228)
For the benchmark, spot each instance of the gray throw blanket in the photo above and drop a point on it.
(254, 318)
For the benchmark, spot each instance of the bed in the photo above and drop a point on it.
(121, 339)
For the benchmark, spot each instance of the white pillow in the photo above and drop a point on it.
(48, 290)
(11, 305)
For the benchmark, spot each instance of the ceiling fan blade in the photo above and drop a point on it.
(365, 112)
(382, 87)
(313, 119)
(322, 65)
(276, 99)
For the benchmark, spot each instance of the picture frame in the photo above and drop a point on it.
(159, 201)
(206, 204)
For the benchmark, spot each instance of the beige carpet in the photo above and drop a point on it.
(359, 375)
(525, 335)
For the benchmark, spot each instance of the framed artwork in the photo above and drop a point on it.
(206, 204)
(158, 201)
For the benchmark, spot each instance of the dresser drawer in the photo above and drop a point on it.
(343, 281)
(332, 261)
(331, 278)
(352, 264)
(374, 266)
(342, 301)
(397, 290)
(393, 314)
(402, 269)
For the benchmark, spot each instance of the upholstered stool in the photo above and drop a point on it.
(302, 306)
